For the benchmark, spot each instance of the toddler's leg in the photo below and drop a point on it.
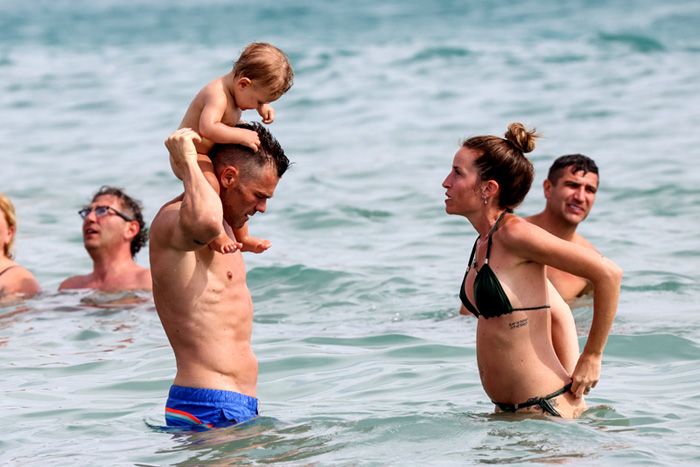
(208, 171)
(250, 243)
(222, 243)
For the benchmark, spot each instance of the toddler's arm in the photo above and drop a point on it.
(212, 128)
(267, 113)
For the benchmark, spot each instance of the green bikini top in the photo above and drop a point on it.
(488, 292)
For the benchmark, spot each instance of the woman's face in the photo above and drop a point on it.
(6, 233)
(462, 184)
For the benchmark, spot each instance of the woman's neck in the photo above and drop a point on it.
(486, 220)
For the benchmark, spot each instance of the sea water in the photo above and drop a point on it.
(364, 359)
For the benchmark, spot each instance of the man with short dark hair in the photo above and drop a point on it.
(201, 295)
(113, 232)
(569, 190)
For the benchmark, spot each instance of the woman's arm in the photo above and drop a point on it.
(535, 244)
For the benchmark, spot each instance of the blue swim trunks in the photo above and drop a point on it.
(208, 408)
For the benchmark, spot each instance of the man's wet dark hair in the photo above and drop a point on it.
(575, 163)
(134, 208)
(270, 152)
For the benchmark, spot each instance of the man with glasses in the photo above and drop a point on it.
(113, 232)
(201, 295)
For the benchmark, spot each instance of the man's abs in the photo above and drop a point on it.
(208, 367)
(207, 314)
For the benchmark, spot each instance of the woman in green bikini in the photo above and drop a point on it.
(15, 281)
(506, 288)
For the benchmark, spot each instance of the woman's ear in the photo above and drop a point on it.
(8, 237)
(490, 188)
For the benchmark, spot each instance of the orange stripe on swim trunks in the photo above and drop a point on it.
(186, 414)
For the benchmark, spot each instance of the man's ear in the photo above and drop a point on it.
(132, 229)
(547, 186)
(229, 177)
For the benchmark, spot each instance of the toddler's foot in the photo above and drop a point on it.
(254, 244)
(223, 244)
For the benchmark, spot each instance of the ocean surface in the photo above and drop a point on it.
(364, 359)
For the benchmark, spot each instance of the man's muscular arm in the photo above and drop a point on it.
(199, 218)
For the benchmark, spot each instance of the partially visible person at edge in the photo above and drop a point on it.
(113, 232)
(200, 294)
(505, 285)
(16, 282)
(569, 190)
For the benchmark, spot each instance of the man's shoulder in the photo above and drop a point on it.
(582, 241)
(172, 205)
(76, 282)
(162, 244)
(142, 273)
(535, 219)
(165, 217)
(142, 278)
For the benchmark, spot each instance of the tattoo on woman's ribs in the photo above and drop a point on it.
(518, 324)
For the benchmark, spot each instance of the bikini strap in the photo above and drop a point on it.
(7, 269)
(531, 308)
(471, 257)
(490, 234)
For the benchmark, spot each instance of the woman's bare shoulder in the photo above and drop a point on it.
(18, 280)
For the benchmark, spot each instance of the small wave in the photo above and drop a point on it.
(376, 340)
(565, 58)
(593, 114)
(636, 42)
(660, 191)
(436, 53)
(666, 347)
(316, 219)
(295, 277)
(659, 281)
(366, 213)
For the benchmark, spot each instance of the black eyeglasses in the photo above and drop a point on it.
(101, 211)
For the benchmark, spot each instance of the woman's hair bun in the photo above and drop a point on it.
(522, 138)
